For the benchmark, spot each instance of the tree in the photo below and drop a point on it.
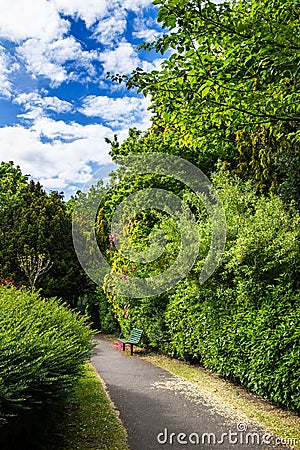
(34, 266)
(11, 183)
(38, 224)
(233, 70)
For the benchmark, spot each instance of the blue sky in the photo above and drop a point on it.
(56, 106)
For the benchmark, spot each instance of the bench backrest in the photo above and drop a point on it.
(135, 335)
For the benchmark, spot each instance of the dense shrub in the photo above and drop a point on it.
(244, 321)
(148, 315)
(107, 320)
(43, 347)
(255, 342)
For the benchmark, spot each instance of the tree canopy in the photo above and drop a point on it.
(36, 225)
(229, 88)
(11, 182)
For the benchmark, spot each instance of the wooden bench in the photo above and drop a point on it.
(134, 339)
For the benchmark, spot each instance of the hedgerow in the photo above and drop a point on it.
(43, 348)
(255, 343)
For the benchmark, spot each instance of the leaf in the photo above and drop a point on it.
(205, 91)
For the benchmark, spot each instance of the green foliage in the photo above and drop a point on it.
(255, 159)
(148, 315)
(43, 348)
(11, 183)
(38, 224)
(220, 67)
(226, 99)
(262, 236)
(244, 322)
(257, 346)
(103, 312)
(241, 321)
(231, 81)
(90, 419)
(288, 163)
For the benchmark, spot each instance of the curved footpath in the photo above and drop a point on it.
(161, 418)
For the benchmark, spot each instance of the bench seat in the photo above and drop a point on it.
(133, 339)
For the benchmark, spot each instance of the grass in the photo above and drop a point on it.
(225, 396)
(90, 420)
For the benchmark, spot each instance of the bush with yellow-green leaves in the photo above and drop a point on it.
(43, 349)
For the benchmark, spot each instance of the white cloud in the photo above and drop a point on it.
(117, 112)
(122, 109)
(61, 154)
(33, 19)
(110, 28)
(48, 58)
(113, 24)
(88, 10)
(146, 34)
(65, 158)
(44, 46)
(136, 5)
(41, 18)
(36, 106)
(72, 132)
(5, 85)
(122, 59)
(35, 99)
(55, 184)
(93, 10)
(145, 29)
(153, 65)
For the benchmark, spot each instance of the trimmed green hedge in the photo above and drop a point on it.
(253, 341)
(43, 347)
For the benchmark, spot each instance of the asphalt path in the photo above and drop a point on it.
(157, 415)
